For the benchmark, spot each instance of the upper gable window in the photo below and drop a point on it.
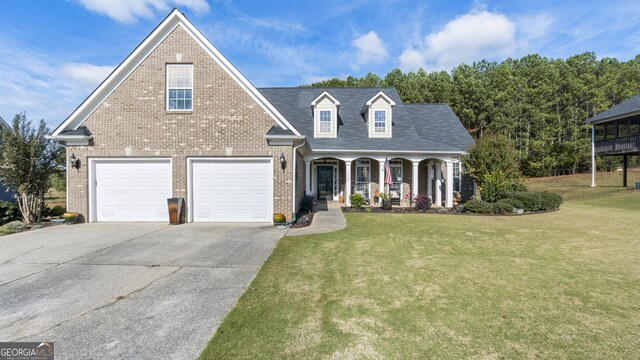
(179, 87)
(380, 121)
(325, 122)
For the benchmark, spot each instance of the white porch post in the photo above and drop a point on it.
(347, 182)
(429, 179)
(381, 179)
(307, 176)
(438, 189)
(414, 179)
(449, 199)
(593, 156)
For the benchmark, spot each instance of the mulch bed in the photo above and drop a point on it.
(453, 211)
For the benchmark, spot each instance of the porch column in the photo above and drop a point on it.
(429, 180)
(449, 199)
(414, 179)
(593, 156)
(381, 185)
(438, 195)
(347, 182)
(307, 177)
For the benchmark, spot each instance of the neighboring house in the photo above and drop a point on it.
(176, 119)
(5, 193)
(616, 132)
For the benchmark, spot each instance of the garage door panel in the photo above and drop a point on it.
(132, 190)
(231, 190)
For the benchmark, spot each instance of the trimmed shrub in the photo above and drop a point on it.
(9, 212)
(477, 207)
(306, 204)
(517, 204)
(538, 201)
(550, 201)
(422, 202)
(503, 206)
(56, 211)
(357, 201)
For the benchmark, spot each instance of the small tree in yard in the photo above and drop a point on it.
(493, 163)
(27, 162)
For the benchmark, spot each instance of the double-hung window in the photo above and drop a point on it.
(379, 121)
(457, 183)
(325, 122)
(180, 87)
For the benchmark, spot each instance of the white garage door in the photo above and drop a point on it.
(231, 190)
(132, 190)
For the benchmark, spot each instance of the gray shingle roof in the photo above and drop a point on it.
(630, 105)
(416, 127)
(81, 130)
(277, 130)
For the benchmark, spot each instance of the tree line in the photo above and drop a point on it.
(538, 103)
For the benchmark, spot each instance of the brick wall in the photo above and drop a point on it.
(225, 121)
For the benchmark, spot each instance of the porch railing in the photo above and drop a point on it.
(618, 146)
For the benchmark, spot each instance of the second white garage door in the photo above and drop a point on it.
(231, 190)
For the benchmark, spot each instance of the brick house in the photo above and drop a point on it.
(177, 119)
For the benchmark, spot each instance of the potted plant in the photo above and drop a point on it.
(376, 197)
(278, 218)
(71, 217)
(386, 201)
(341, 199)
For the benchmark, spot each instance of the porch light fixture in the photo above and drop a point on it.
(283, 161)
(74, 162)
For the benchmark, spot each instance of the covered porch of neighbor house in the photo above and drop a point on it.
(617, 137)
(334, 177)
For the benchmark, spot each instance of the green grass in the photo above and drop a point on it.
(557, 285)
(55, 197)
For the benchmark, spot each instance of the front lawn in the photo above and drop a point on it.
(555, 285)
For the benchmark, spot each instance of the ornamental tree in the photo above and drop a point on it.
(27, 162)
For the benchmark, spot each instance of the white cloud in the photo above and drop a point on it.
(88, 75)
(128, 11)
(470, 37)
(33, 83)
(371, 49)
(412, 59)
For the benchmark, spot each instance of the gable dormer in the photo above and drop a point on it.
(378, 115)
(325, 116)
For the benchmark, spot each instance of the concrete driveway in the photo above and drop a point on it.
(134, 290)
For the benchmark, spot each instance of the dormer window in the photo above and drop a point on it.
(379, 121)
(325, 116)
(325, 122)
(377, 114)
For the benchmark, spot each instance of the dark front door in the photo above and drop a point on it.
(325, 182)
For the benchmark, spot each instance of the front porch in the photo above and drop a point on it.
(332, 179)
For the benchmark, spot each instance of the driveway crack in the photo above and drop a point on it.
(117, 299)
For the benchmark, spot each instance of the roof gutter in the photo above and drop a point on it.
(387, 151)
(78, 140)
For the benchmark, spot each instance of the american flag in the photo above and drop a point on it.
(387, 170)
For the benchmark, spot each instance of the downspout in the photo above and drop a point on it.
(293, 193)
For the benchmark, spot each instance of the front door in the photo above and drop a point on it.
(324, 176)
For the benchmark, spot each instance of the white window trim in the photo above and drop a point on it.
(320, 132)
(372, 120)
(334, 123)
(167, 88)
(363, 164)
(385, 121)
(459, 164)
(398, 164)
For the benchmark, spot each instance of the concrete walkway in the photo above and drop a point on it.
(324, 221)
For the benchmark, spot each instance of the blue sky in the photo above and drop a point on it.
(54, 53)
